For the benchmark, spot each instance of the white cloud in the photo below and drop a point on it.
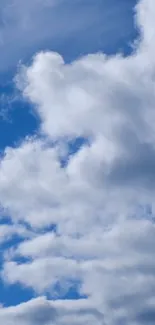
(103, 239)
(47, 193)
(121, 259)
(43, 273)
(32, 164)
(43, 312)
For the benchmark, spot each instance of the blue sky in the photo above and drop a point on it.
(77, 162)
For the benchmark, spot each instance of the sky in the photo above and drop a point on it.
(77, 162)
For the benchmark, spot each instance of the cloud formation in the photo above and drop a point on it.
(41, 311)
(101, 202)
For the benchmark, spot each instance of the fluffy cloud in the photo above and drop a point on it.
(101, 201)
(43, 312)
(121, 259)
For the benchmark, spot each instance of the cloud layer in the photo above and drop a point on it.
(100, 203)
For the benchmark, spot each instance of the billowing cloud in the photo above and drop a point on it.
(101, 201)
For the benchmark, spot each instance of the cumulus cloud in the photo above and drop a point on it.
(101, 201)
(121, 259)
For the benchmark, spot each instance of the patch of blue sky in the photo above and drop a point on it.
(67, 290)
(72, 28)
(5, 220)
(12, 295)
(16, 121)
(73, 146)
(112, 31)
